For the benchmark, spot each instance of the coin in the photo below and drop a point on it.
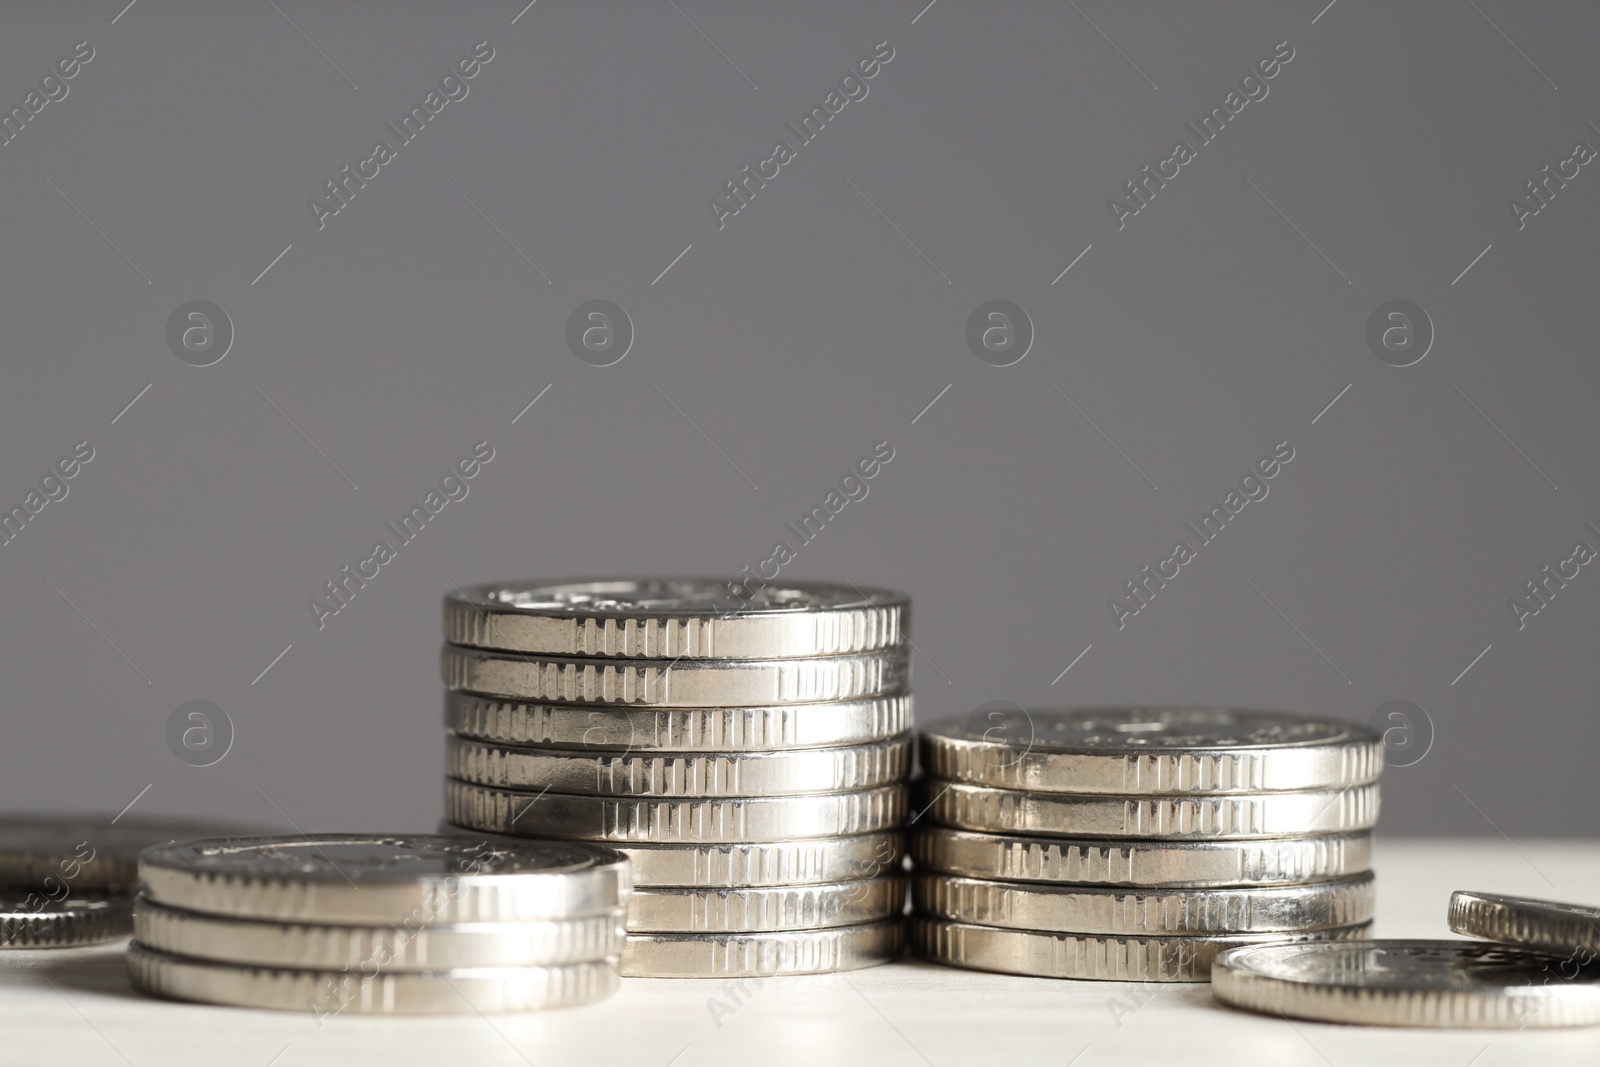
(88, 851)
(841, 948)
(1192, 864)
(1570, 930)
(675, 683)
(680, 774)
(28, 920)
(384, 878)
(1408, 983)
(629, 819)
(602, 727)
(668, 618)
(1145, 751)
(767, 908)
(1143, 912)
(977, 807)
(400, 947)
(324, 993)
(1084, 956)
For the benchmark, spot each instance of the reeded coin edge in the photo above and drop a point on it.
(1532, 924)
(767, 909)
(757, 955)
(62, 929)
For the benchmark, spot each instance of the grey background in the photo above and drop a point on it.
(808, 329)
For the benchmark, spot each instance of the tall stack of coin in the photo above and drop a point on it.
(379, 923)
(747, 746)
(1136, 844)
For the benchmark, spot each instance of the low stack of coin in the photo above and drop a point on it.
(1135, 844)
(390, 924)
(746, 746)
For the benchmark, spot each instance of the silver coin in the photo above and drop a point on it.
(628, 819)
(1153, 863)
(397, 947)
(767, 908)
(61, 853)
(326, 993)
(1239, 815)
(1569, 930)
(1143, 912)
(665, 618)
(676, 683)
(386, 878)
(842, 948)
(28, 920)
(599, 727)
(1145, 751)
(1409, 983)
(1086, 956)
(680, 774)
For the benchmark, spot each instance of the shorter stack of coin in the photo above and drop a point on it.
(746, 746)
(1135, 844)
(391, 924)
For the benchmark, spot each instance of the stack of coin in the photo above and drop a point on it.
(1135, 844)
(746, 746)
(379, 923)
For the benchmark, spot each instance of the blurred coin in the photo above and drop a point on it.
(767, 908)
(1570, 930)
(842, 948)
(88, 851)
(28, 920)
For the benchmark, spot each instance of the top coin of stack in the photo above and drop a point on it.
(1137, 843)
(747, 746)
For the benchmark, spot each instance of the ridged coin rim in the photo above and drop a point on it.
(91, 919)
(1571, 930)
(842, 948)
(766, 909)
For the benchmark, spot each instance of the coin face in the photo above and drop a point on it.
(375, 858)
(1134, 729)
(673, 597)
(1568, 930)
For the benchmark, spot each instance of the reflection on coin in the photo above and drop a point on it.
(1144, 751)
(1194, 864)
(842, 948)
(398, 947)
(1243, 815)
(1570, 930)
(1143, 912)
(630, 819)
(668, 618)
(30, 921)
(1409, 983)
(684, 683)
(324, 993)
(768, 908)
(680, 774)
(1084, 956)
(89, 851)
(384, 878)
(599, 727)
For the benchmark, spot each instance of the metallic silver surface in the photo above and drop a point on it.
(1138, 751)
(767, 908)
(28, 921)
(1570, 930)
(976, 807)
(1409, 983)
(665, 618)
(1191, 864)
(684, 683)
(680, 774)
(1142, 913)
(723, 820)
(88, 851)
(466, 991)
(385, 878)
(842, 948)
(600, 727)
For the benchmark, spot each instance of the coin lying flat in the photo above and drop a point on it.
(665, 618)
(629, 819)
(324, 993)
(1144, 751)
(767, 908)
(682, 683)
(1408, 983)
(1087, 957)
(1193, 864)
(422, 947)
(386, 878)
(680, 774)
(841, 948)
(1142, 912)
(992, 810)
(600, 727)
(1570, 930)
(86, 851)
(29, 921)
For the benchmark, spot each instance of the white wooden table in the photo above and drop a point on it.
(74, 1006)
